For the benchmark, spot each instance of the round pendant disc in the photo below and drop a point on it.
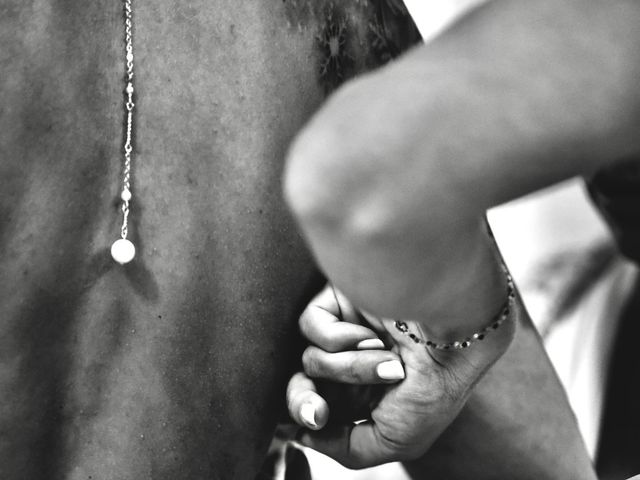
(123, 251)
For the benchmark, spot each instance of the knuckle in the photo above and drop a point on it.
(356, 372)
(310, 326)
(323, 339)
(331, 343)
(304, 322)
(310, 362)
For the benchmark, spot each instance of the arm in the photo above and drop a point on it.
(516, 423)
(389, 180)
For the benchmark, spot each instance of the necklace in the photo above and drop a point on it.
(123, 249)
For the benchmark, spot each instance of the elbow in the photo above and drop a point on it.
(317, 203)
(339, 225)
(335, 211)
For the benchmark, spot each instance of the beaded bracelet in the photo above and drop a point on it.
(461, 344)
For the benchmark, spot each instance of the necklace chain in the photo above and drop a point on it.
(123, 250)
(129, 106)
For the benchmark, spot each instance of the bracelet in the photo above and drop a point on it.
(461, 344)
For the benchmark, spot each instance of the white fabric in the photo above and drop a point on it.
(434, 16)
(581, 346)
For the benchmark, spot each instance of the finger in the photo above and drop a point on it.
(346, 311)
(306, 407)
(325, 330)
(326, 300)
(354, 446)
(333, 301)
(353, 367)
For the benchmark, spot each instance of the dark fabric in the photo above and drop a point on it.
(616, 192)
(619, 452)
(295, 462)
(283, 453)
(297, 465)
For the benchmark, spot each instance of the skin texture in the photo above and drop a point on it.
(517, 96)
(476, 121)
(173, 366)
(517, 423)
(404, 419)
(513, 425)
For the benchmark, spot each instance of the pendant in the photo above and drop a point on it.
(123, 251)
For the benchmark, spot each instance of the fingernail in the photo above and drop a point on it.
(390, 370)
(370, 344)
(308, 414)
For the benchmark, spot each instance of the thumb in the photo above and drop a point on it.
(354, 446)
(306, 407)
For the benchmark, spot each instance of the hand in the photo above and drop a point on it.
(405, 417)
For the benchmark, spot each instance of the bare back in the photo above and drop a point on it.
(173, 366)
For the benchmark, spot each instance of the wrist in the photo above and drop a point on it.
(478, 303)
(462, 341)
(479, 349)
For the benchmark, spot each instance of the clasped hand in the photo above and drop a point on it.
(369, 394)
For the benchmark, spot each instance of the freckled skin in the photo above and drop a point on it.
(172, 367)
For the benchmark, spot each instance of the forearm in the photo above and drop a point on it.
(517, 424)
(533, 92)
(390, 179)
